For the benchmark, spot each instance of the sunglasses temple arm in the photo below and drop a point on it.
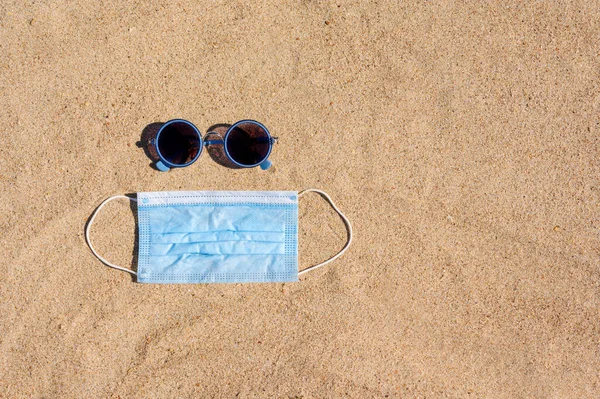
(272, 140)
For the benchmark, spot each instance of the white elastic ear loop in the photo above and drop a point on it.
(89, 226)
(346, 222)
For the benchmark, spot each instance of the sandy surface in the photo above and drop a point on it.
(462, 141)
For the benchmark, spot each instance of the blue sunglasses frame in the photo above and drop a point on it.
(164, 165)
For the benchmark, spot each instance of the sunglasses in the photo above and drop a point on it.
(246, 144)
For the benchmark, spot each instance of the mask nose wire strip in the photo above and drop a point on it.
(346, 222)
(89, 226)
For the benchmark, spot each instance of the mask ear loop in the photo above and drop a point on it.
(346, 222)
(89, 226)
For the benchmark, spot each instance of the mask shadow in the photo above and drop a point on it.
(136, 241)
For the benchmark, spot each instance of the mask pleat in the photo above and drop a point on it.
(212, 236)
(219, 248)
(208, 218)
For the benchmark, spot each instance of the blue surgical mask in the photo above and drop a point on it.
(217, 236)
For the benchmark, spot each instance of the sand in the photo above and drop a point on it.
(460, 139)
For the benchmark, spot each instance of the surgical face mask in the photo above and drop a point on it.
(217, 236)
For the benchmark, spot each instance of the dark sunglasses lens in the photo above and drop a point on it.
(248, 144)
(179, 143)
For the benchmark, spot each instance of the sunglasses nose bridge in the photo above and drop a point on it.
(208, 142)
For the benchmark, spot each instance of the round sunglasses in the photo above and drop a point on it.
(246, 144)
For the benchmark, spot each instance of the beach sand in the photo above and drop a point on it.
(462, 141)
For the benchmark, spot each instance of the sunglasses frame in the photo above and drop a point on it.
(164, 165)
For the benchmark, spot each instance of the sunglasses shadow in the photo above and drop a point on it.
(148, 134)
(217, 152)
